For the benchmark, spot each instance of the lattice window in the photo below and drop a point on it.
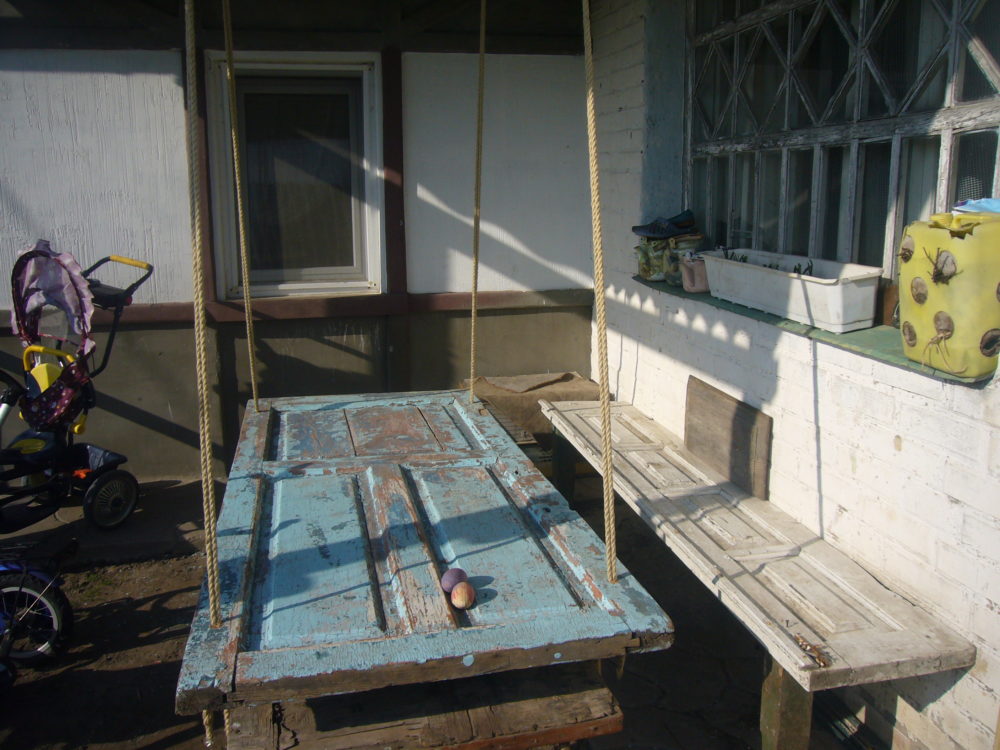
(822, 127)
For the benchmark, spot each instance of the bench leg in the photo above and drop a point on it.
(564, 466)
(785, 712)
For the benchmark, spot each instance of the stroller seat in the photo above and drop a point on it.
(32, 447)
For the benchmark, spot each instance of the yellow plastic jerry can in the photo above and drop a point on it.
(949, 292)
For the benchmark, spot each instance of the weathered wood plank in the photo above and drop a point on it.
(785, 712)
(524, 709)
(336, 531)
(731, 437)
(210, 653)
(823, 617)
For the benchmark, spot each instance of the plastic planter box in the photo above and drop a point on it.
(834, 296)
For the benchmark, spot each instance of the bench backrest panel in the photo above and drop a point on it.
(731, 437)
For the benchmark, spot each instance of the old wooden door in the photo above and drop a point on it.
(340, 515)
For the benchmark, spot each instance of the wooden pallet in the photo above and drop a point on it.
(523, 709)
(825, 620)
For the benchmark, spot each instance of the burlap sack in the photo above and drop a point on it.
(517, 397)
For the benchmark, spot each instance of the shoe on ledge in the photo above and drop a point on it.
(661, 229)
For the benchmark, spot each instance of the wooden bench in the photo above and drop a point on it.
(825, 621)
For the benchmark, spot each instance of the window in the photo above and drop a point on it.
(823, 127)
(311, 161)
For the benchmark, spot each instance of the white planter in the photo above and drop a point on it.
(837, 297)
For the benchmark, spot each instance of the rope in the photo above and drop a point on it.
(234, 137)
(200, 325)
(477, 200)
(610, 541)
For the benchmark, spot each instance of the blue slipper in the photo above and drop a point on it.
(661, 229)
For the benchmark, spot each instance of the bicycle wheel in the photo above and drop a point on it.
(38, 614)
(111, 498)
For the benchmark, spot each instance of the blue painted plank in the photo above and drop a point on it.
(475, 527)
(313, 579)
(412, 597)
(312, 434)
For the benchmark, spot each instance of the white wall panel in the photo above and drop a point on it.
(93, 159)
(535, 195)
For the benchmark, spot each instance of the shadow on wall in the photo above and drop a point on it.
(313, 357)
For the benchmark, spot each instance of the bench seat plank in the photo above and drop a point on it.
(826, 620)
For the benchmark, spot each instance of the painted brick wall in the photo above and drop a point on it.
(899, 470)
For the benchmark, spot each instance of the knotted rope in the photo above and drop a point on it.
(201, 345)
(610, 541)
(477, 203)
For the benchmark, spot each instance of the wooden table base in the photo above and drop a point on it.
(520, 709)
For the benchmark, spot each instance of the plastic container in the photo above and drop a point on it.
(694, 278)
(949, 292)
(834, 296)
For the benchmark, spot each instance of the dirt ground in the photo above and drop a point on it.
(114, 686)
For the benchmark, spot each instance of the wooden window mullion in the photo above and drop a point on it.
(815, 201)
(848, 241)
(943, 192)
(892, 219)
(783, 202)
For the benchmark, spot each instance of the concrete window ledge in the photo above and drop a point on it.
(882, 343)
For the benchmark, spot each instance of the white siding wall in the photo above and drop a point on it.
(535, 218)
(94, 160)
(900, 470)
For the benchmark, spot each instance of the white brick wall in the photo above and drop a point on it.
(899, 470)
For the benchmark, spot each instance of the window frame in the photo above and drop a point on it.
(954, 119)
(280, 65)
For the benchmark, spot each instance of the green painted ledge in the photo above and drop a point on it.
(881, 342)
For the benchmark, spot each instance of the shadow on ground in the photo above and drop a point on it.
(167, 521)
(703, 693)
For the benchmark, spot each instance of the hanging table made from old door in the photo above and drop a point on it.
(340, 514)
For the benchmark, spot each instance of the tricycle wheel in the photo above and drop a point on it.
(38, 616)
(110, 499)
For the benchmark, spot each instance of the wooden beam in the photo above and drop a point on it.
(509, 44)
(392, 159)
(433, 13)
(785, 712)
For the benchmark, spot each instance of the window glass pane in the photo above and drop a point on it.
(874, 202)
(713, 91)
(919, 177)
(798, 113)
(824, 63)
(744, 192)
(931, 95)
(300, 151)
(975, 85)
(770, 200)
(875, 102)
(851, 10)
(745, 122)
(985, 27)
(762, 83)
(974, 165)
(779, 30)
(698, 200)
(720, 201)
(912, 36)
(726, 51)
(710, 13)
(836, 212)
(800, 169)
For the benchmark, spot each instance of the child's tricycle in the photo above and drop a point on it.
(53, 300)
